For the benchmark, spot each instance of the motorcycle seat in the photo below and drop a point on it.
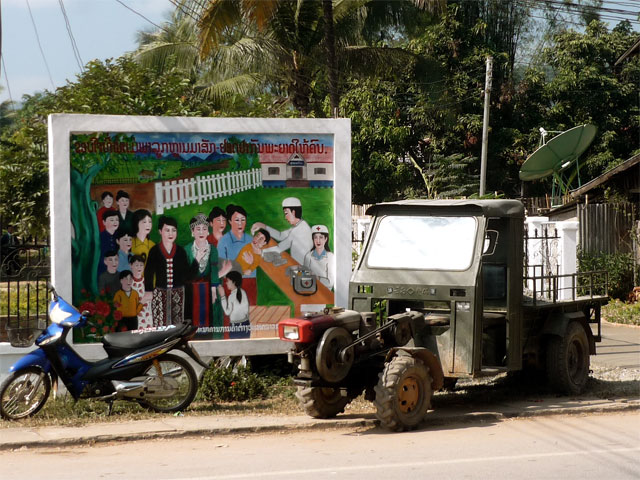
(135, 339)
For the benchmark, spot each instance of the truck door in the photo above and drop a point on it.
(498, 288)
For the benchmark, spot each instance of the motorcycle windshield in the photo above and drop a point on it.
(63, 313)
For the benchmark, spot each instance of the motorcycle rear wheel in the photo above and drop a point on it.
(24, 393)
(176, 385)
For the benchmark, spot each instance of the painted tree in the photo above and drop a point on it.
(88, 159)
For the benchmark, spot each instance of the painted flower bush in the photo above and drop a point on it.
(103, 316)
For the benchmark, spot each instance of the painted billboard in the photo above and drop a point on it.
(231, 230)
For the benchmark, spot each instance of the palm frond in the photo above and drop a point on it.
(261, 11)
(371, 60)
(157, 56)
(218, 92)
(215, 20)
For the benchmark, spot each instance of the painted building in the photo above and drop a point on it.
(314, 170)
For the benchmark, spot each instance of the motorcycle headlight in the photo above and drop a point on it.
(291, 332)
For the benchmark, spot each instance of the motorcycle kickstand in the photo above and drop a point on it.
(109, 407)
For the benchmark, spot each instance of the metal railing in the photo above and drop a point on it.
(567, 287)
(24, 275)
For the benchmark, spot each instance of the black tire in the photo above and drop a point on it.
(178, 377)
(24, 393)
(568, 360)
(319, 402)
(403, 393)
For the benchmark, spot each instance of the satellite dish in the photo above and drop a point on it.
(558, 153)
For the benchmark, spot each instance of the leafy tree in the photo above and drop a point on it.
(24, 180)
(587, 88)
(577, 82)
(381, 135)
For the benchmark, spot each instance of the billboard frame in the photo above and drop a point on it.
(62, 126)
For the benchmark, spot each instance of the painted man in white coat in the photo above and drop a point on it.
(296, 239)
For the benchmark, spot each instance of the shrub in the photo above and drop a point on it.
(620, 312)
(618, 265)
(232, 385)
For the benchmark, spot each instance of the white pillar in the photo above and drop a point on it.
(568, 262)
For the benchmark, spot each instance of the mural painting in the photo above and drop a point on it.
(230, 231)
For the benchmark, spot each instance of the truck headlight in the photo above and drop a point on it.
(291, 332)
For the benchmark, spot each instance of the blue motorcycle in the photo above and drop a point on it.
(138, 367)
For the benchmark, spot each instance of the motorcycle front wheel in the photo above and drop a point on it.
(171, 384)
(24, 393)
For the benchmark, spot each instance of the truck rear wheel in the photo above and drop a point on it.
(319, 402)
(403, 393)
(568, 360)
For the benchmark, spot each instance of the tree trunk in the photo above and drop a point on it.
(330, 42)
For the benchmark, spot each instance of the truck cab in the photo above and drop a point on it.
(460, 264)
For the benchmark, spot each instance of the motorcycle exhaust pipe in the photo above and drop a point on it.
(128, 389)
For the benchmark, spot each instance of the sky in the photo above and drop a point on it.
(102, 29)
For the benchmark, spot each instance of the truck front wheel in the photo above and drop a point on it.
(568, 360)
(319, 402)
(403, 393)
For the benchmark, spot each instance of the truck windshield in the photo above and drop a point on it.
(423, 243)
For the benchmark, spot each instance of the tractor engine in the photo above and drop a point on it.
(328, 344)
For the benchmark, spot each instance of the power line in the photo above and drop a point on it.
(6, 79)
(575, 9)
(186, 7)
(141, 15)
(74, 45)
(35, 29)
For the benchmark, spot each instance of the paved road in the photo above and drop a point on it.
(620, 347)
(567, 447)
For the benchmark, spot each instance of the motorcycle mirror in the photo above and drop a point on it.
(53, 291)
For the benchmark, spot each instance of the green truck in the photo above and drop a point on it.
(441, 292)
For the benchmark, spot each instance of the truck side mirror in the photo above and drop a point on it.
(490, 242)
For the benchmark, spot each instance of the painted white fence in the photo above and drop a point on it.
(178, 193)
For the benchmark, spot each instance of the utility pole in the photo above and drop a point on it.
(485, 126)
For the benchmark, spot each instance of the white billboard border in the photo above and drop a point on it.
(62, 126)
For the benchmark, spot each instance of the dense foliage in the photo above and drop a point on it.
(220, 384)
(619, 268)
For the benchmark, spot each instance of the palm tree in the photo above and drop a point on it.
(300, 30)
(175, 46)
(246, 46)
